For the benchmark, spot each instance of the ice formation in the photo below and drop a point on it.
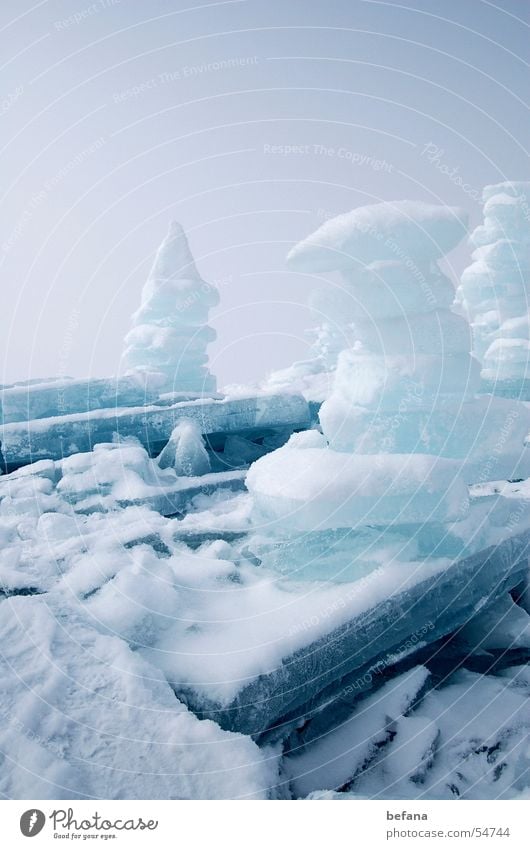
(167, 342)
(386, 257)
(403, 432)
(494, 290)
(185, 451)
(156, 641)
(165, 350)
(379, 255)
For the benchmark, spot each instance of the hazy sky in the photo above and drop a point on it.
(118, 116)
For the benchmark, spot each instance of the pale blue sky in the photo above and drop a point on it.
(117, 116)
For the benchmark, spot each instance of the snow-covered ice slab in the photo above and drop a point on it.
(466, 739)
(336, 758)
(61, 436)
(335, 633)
(171, 500)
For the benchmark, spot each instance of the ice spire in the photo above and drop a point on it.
(174, 257)
(166, 344)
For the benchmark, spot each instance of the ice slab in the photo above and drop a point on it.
(318, 488)
(111, 476)
(480, 751)
(399, 382)
(58, 437)
(61, 397)
(250, 680)
(170, 500)
(385, 290)
(470, 433)
(504, 626)
(439, 332)
(506, 387)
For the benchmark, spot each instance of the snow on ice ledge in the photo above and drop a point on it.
(292, 652)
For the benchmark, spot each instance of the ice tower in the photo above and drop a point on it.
(166, 345)
(402, 432)
(494, 291)
(402, 253)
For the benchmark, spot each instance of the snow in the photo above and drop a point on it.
(128, 615)
(409, 230)
(85, 717)
(208, 615)
(250, 643)
(113, 472)
(483, 746)
(311, 378)
(466, 739)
